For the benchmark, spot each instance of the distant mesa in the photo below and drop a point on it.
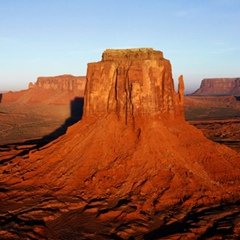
(49, 90)
(219, 86)
(62, 82)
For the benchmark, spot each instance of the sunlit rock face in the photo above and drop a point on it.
(219, 86)
(132, 83)
(61, 82)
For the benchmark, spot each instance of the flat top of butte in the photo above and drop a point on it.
(131, 54)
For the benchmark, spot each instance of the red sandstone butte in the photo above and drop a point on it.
(132, 168)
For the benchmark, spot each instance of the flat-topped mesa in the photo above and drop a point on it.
(61, 82)
(219, 86)
(132, 84)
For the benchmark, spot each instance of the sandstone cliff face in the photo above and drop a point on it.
(132, 84)
(131, 169)
(219, 86)
(62, 82)
(59, 90)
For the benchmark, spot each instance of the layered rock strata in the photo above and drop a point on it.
(61, 82)
(133, 168)
(132, 84)
(58, 90)
(219, 86)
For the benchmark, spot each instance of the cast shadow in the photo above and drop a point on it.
(76, 110)
(76, 107)
(237, 98)
(0, 97)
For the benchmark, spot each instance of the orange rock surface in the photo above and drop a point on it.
(133, 85)
(132, 168)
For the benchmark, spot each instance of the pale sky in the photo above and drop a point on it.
(54, 37)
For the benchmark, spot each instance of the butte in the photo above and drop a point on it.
(132, 168)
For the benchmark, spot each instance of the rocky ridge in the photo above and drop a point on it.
(132, 168)
(219, 86)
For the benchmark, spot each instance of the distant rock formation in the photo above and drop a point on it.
(219, 86)
(132, 84)
(132, 168)
(49, 90)
(62, 82)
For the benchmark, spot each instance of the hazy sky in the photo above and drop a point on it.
(53, 37)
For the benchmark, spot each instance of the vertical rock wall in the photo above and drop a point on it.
(132, 83)
(62, 82)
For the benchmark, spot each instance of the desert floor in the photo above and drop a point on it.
(33, 125)
(217, 117)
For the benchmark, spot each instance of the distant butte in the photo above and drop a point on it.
(62, 82)
(132, 168)
(219, 86)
